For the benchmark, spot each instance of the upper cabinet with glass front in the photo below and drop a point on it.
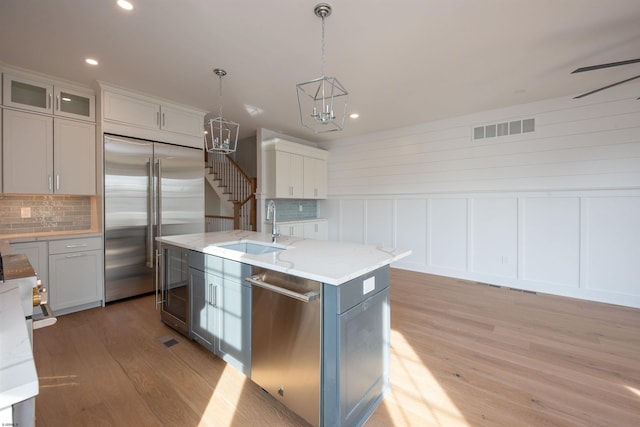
(43, 97)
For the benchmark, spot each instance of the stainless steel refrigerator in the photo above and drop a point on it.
(150, 189)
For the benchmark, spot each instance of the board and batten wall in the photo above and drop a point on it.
(556, 210)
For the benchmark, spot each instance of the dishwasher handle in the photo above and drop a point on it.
(308, 297)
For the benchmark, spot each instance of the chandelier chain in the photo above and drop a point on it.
(220, 94)
(323, 60)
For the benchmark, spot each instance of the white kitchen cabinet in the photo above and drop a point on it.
(316, 230)
(42, 96)
(75, 274)
(308, 229)
(38, 254)
(315, 178)
(27, 93)
(74, 154)
(181, 120)
(27, 152)
(45, 155)
(291, 229)
(287, 171)
(152, 114)
(294, 171)
(132, 110)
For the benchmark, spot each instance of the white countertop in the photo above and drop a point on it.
(329, 262)
(18, 376)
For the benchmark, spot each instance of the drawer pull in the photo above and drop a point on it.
(76, 255)
(77, 245)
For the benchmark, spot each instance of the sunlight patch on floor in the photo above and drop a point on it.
(224, 400)
(58, 381)
(422, 402)
(633, 390)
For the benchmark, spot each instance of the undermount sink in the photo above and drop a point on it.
(251, 248)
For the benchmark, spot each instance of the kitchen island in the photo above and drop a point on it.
(18, 376)
(322, 350)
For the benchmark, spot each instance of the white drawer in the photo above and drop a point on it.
(74, 245)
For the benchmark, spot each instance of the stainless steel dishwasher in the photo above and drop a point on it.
(285, 340)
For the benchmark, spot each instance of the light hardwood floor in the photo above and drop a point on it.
(463, 354)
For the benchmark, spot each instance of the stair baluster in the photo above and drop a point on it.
(239, 189)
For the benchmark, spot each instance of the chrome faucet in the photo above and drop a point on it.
(271, 214)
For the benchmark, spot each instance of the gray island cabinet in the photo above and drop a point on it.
(220, 305)
(354, 317)
(355, 350)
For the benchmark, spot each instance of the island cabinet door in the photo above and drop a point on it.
(204, 288)
(233, 343)
(356, 348)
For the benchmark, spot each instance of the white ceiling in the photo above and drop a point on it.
(404, 62)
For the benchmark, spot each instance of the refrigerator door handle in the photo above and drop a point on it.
(159, 200)
(159, 279)
(150, 214)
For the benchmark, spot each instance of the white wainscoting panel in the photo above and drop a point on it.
(330, 209)
(380, 223)
(577, 244)
(448, 234)
(411, 229)
(352, 221)
(613, 244)
(551, 240)
(495, 236)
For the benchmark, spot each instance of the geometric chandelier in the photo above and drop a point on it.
(322, 101)
(223, 133)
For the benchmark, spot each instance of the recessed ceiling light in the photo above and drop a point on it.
(91, 61)
(354, 115)
(125, 5)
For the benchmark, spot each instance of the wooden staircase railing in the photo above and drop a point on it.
(239, 188)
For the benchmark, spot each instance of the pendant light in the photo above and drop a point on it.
(223, 136)
(322, 101)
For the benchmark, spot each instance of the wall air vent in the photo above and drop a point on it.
(503, 129)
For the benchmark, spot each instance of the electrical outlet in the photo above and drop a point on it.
(300, 207)
(25, 212)
(368, 285)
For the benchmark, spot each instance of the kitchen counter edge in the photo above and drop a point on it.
(330, 262)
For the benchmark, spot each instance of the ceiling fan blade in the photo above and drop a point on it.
(610, 64)
(606, 87)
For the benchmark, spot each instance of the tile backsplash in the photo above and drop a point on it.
(289, 210)
(44, 213)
